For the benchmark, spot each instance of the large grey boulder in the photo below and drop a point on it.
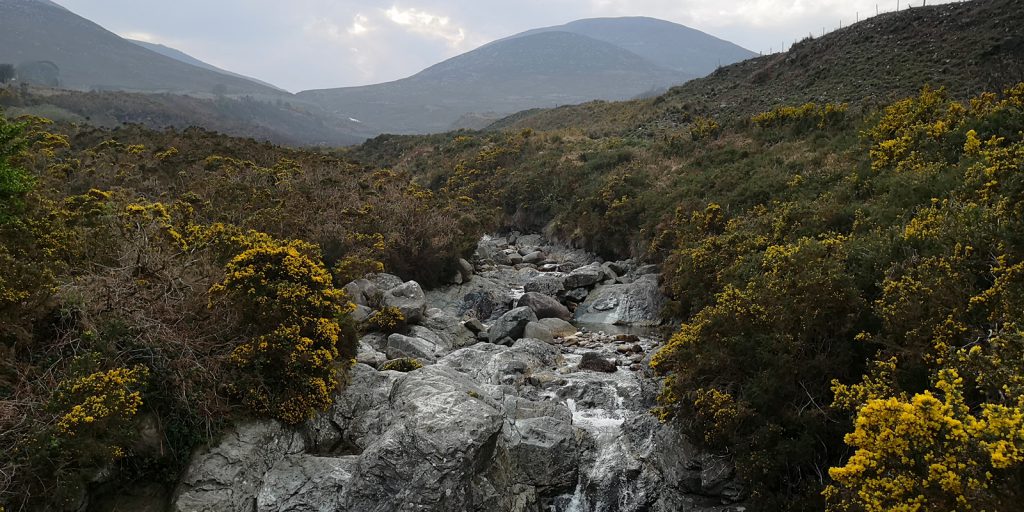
(444, 431)
(638, 303)
(544, 306)
(538, 445)
(548, 284)
(400, 346)
(511, 324)
(228, 476)
(585, 276)
(538, 331)
(483, 297)
(409, 298)
(534, 258)
(559, 328)
(384, 282)
(304, 483)
(501, 365)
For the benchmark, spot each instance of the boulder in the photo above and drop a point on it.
(360, 313)
(448, 328)
(585, 276)
(547, 284)
(638, 303)
(474, 326)
(544, 306)
(409, 298)
(539, 444)
(228, 476)
(400, 346)
(535, 257)
(465, 270)
(484, 304)
(363, 292)
(559, 328)
(509, 365)
(595, 362)
(375, 340)
(370, 356)
(511, 324)
(443, 430)
(538, 331)
(304, 482)
(576, 295)
(609, 272)
(384, 282)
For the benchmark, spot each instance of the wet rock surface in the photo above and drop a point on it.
(509, 413)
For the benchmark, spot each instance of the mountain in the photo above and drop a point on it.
(181, 56)
(967, 47)
(669, 45)
(53, 46)
(542, 68)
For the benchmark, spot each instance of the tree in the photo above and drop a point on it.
(6, 73)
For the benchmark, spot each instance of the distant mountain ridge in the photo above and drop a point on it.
(664, 43)
(542, 68)
(87, 56)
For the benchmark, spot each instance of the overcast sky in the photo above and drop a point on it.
(305, 44)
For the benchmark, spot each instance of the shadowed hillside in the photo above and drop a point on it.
(89, 57)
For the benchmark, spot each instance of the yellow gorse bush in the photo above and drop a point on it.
(287, 369)
(99, 399)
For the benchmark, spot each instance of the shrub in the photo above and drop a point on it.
(405, 364)
(805, 117)
(288, 369)
(387, 320)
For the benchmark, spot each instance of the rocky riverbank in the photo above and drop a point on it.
(534, 396)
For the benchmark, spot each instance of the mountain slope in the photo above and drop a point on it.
(664, 43)
(966, 47)
(542, 69)
(181, 56)
(87, 56)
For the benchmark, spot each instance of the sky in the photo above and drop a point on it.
(313, 44)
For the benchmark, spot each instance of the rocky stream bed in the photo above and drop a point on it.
(535, 396)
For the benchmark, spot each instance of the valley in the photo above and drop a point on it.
(790, 282)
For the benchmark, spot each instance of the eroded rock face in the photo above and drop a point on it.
(555, 424)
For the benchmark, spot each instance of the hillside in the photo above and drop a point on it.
(664, 43)
(538, 69)
(285, 121)
(53, 46)
(181, 56)
(966, 47)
